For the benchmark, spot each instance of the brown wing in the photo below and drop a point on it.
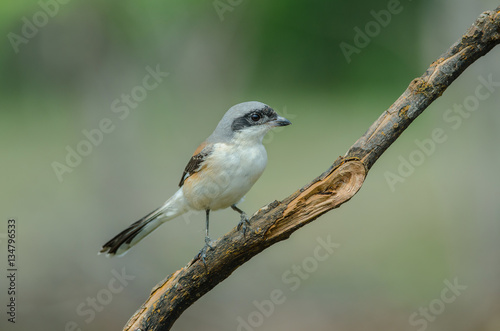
(196, 162)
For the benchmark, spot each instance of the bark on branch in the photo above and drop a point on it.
(279, 219)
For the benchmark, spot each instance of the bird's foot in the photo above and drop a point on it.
(203, 253)
(244, 223)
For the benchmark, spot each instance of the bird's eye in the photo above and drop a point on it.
(255, 117)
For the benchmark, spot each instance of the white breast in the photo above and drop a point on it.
(231, 172)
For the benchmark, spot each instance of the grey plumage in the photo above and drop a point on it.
(223, 132)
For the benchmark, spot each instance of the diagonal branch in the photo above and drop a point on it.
(279, 219)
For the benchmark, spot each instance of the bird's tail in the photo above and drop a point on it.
(122, 242)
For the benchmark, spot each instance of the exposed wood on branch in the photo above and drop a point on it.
(279, 219)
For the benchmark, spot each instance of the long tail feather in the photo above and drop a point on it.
(131, 235)
(121, 243)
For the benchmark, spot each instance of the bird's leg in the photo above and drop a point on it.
(243, 221)
(203, 253)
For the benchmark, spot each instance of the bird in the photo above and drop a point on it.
(220, 172)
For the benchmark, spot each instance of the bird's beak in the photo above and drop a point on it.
(280, 121)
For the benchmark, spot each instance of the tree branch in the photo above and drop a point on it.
(279, 219)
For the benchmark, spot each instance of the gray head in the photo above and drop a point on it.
(249, 120)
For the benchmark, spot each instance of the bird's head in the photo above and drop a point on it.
(248, 121)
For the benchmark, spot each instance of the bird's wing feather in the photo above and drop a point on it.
(196, 162)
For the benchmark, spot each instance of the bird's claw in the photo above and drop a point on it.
(243, 224)
(203, 253)
(208, 241)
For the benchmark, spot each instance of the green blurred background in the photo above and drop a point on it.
(397, 246)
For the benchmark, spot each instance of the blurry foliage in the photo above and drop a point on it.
(277, 45)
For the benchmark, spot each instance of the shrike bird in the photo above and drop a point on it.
(221, 171)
